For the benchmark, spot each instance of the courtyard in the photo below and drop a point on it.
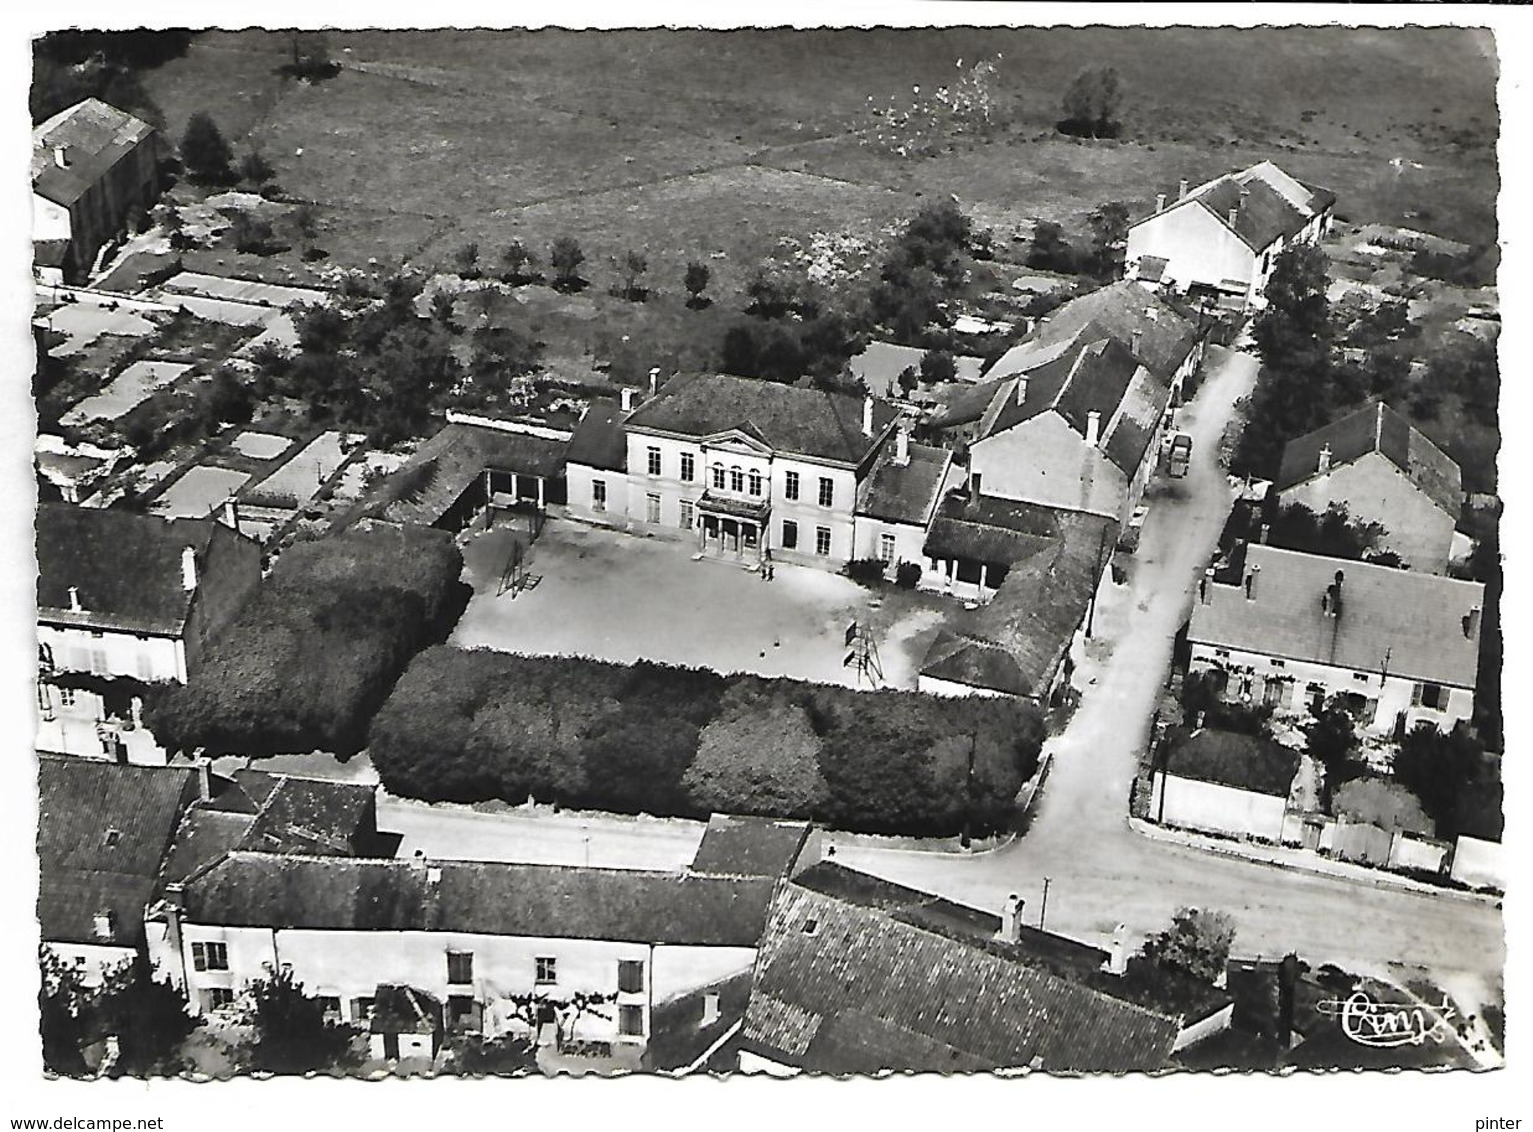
(620, 597)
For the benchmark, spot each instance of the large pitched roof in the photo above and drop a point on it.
(491, 898)
(791, 419)
(857, 975)
(1124, 310)
(1412, 625)
(102, 832)
(1229, 758)
(311, 816)
(735, 845)
(1375, 427)
(126, 567)
(904, 493)
(94, 137)
(1268, 203)
(599, 440)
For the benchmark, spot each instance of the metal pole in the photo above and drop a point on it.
(1044, 910)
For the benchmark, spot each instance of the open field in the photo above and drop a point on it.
(619, 597)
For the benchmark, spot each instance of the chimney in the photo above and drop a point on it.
(1251, 582)
(902, 445)
(1093, 427)
(1261, 536)
(974, 485)
(74, 599)
(1181, 193)
(1011, 919)
(1160, 202)
(867, 416)
(627, 396)
(1472, 623)
(1022, 389)
(1324, 464)
(710, 1008)
(61, 156)
(203, 766)
(229, 514)
(1208, 575)
(654, 381)
(103, 926)
(1331, 602)
(1117, 953)
(188, 569)
(1234, 215)
(1135, 341)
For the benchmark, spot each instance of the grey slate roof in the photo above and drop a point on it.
(856, 975)
(1228, 758)
(1409, 624)
(103, 830)
(95, 137)
(491, 898)
(792, 420)
(904, 493)
(737, 845)
(304, 815)
(599, 440)
(1375, 427)
(1121, 310)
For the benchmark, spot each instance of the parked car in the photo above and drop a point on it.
(1180, 456)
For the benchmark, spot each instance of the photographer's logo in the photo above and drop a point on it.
(1386, 1025)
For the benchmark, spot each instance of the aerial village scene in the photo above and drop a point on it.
(767, 552)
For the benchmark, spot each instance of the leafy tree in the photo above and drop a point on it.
(231, 401)
(255, 169)
(466, 260)
(1091, 104)
(633, 266)
(1197, 943)
(696, 282)
(150, 1018)
(204, 151)
(306, 220)
(444, 307)
(1109, 235)
(1436, 767)
(741, 353)
(907, 380)
(291, 1032)
(253, 236)
(759, 756)
(938, 366)
(62, 1001)
(519, 262)
(565, 256)
(1334, 534)
(1331, 740)
(772, 294)
(1382, 803)
(311, 58)
(1050, 251)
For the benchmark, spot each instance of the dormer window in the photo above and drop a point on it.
(103, 926)
(110, 839)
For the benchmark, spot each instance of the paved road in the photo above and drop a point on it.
(1103, 872)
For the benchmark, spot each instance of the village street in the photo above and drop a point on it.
(1100, 871)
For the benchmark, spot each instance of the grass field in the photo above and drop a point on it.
(718, 145)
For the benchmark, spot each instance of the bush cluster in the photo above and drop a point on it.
(314, 653)
(471, 725)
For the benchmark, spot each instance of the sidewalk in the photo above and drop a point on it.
(1302, 860)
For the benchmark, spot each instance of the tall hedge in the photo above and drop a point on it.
(470, 725)
(317, 649)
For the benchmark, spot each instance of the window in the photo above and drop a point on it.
(755, 482)
(67, 697)
(822, 540)
(210, 956)
(886, 547)
(361, 1009)
(790, 485)
(1433, 696)
(736, 480)
(1360, 676)
(547, 969)
(1278, 663)
(652, 508)
(460, 1011)
(460, 967)
(686, 515)
(653, 457)
(718, 477)
(630, 1020)
(688, 467)
(98, 661)
(216, 998)
(789, 534)
(598, 495)
(630, 975)
(827, 491)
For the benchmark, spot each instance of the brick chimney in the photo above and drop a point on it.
(1021, 389)
(1093, 427)
(974, 485)
(902, 445)
(710, 1008)
(1323, 465)
(1472, 623)
(229, 514)
(1234, 215)
(1181, 192)
(1011, 919)
(627, 399)
(1251, 582)
(1160, 202)
(1135, 341)
(74, 599)
(867, 416)
(61, 156)
(188, 569)
(654, 381)
(1117, 952)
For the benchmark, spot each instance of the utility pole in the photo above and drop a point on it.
(968, 792)
(1044, 909)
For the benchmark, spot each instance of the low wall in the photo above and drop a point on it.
(1214, 808)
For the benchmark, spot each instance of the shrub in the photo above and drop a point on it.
(473, 725)
(907, 575)
(865, 570)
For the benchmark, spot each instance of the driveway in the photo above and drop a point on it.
(1102, 873)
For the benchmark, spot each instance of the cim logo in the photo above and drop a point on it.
(1387, 1025)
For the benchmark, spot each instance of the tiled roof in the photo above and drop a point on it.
(904, 493)
(1375, 427)
(1123, 310)
(599, 440)
(1228, 758)
(94, 136)
(968, 403)
(1034, 614)
(490, 898)
(1405, 623)
(985, 528)
(749, 846)
(1128, 435)
(1269, 203)
(792, 420)
(126, 567)
(102, 832)
(311, 816)
(857, 976)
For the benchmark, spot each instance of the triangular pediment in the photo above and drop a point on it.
(743, 439)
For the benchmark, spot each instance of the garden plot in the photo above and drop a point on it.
(131, 387)
(199, 492)
(624, 598)
(83, 323)
(297, 481)
(261, 445)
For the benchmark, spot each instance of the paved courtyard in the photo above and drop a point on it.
(620, 597)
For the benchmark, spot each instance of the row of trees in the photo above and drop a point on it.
(317, 649)
(473, 725)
